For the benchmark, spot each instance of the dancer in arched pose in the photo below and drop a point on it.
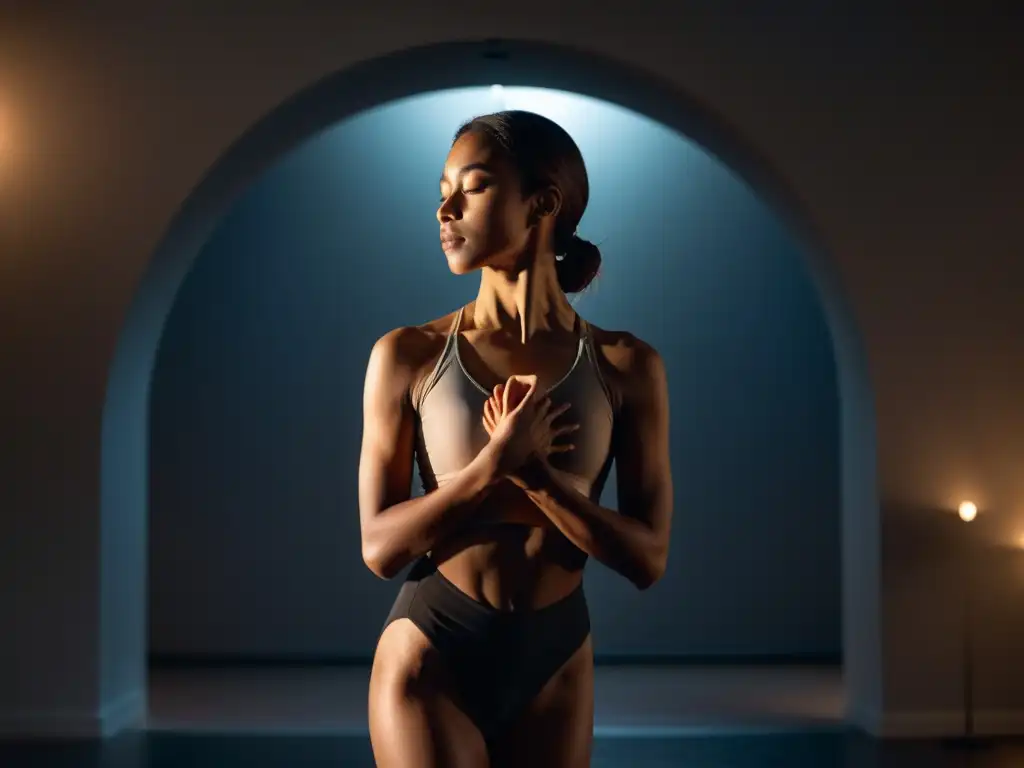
(513, 407)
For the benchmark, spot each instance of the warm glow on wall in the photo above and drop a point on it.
(6, 139)
(968, 511)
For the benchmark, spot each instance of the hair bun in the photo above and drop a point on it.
(579, 265)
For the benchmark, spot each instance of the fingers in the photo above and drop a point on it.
(493, 407)
(503, 396)
(529, 379)
(555, 413)
(517, 389)
(557, 433)
(526, 400)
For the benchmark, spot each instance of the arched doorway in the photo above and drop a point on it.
(124, 484)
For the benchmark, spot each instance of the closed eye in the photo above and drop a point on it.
(473, 191)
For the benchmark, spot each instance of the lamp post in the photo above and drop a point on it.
(968, 511)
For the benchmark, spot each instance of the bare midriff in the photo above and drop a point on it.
(508, 565)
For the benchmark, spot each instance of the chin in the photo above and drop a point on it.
(458, 269)
(463, 263)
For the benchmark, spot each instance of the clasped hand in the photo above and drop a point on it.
(521, 425)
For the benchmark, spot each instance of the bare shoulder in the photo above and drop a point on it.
(626, 353)
(632, 366)
(406, 352)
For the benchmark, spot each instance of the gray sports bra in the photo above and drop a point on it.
(449, 405)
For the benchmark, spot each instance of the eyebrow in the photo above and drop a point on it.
(467, 168)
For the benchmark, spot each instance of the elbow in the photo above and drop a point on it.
(647, 579)
(380, 568)
(380, 564)
(652, 570)
(377, 569)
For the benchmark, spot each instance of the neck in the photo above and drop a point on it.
(529, 301)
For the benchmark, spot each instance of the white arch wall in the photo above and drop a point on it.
(908, 168)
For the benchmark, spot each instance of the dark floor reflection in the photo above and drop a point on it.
(817, 750)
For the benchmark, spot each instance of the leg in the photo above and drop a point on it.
(414, 719)
(557, 728)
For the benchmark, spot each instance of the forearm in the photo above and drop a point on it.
(623, 544)
(405, 531)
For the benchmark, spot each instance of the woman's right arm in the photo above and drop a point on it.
(396, 529)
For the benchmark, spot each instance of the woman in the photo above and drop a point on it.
(513, 407)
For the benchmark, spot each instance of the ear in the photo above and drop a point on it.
(547, 202)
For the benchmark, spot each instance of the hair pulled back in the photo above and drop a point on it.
(546, 155)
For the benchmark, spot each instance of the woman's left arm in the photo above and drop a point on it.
(634, 540)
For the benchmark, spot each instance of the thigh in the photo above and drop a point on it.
(557, 729)
(415, 720)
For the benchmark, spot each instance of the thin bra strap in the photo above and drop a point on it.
(421, 391)
(584, 330)
(588, 340)
(456, 323)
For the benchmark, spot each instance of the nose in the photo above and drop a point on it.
(448, 210)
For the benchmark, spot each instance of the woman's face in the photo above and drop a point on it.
(485, 220)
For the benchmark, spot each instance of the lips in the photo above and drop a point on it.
(449, 239)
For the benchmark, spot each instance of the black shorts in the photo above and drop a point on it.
(500, 660)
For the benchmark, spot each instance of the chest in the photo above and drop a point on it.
(488, 361)
(452, 432)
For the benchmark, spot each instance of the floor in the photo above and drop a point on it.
(629, 701)
(645, 717)
(791, 750)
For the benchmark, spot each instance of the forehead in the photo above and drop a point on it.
(474, 149)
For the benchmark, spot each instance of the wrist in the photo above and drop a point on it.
(486, 466)
(533, 474)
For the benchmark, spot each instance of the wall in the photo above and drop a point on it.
(256, 409)
(894, 130)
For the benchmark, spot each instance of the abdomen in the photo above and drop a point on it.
(511, 565)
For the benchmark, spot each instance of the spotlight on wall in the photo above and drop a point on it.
(498, 96)
(968, 511)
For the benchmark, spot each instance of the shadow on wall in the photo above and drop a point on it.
(256, 401)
